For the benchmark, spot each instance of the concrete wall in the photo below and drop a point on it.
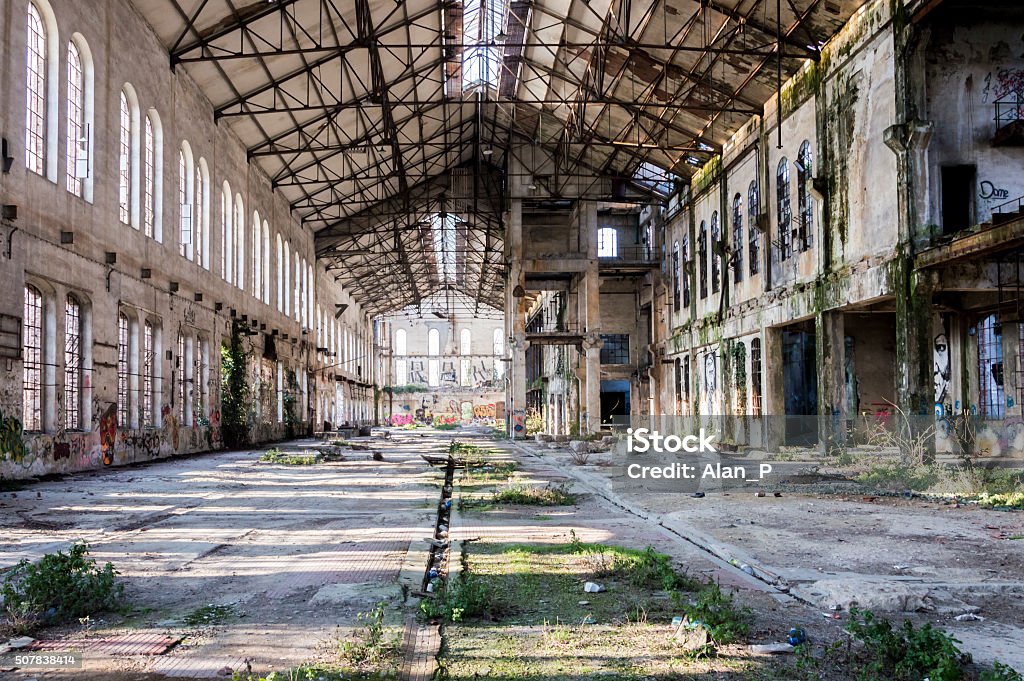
(59, 244)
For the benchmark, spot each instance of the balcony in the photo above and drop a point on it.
(552, 332)
(1009, 120)
(631, 258)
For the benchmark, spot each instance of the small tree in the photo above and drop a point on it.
(235, 393)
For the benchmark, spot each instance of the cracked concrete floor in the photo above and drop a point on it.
(294, 552)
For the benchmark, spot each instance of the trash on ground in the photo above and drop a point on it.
(593, 588)
(772, 648)
(969, 617)
(797, 636)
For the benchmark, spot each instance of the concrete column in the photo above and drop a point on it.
(515, 320)
(830, 350)
(590, 294)
(774, 398)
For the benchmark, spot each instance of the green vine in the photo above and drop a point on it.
(291, 419)
(236, 394)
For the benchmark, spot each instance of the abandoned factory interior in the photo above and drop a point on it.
(525, 340)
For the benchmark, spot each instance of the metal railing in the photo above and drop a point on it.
(1012, 206)
(1009, 108)
(632, 253)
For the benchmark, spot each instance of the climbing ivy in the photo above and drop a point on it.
(291, 419)
(235, 394)
(12, 439)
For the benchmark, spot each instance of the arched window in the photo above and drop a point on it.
(754, 236)
(677, 284)
(257, 256)
(32, 359)
(72, 364)
(685, 269)
(737, 239)
(280, 275)
(186, 202)
(785, 211)
(607, 242)
(77, 146)
(126, 157)
(123, 370)
(287, 279)
(702, 259)
(201, 215)
(310, 293)
(465, 342)
(240, 242)
(266, 262)
(227, 237)
(150, 162)
(37, 91)
(401, 365)
(297, 302)
(433, 342)
(400, 347)
(716, 258)
(804, 201)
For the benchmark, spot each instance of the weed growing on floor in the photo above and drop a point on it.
(446, 426)
(1000, 672)
(1014, 500)
(466, 596)
(903, 653)
(524, 495)
(373, 649)
(208, 615)
(59, 588)
(317, 672)
(277, 456)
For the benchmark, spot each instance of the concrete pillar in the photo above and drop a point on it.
(590, 296)
(515, 320)
(830, 350)
(774, 398)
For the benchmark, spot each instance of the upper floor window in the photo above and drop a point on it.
(240, 242)
(615, 349)
(280, 275)
(685, 273)
(79, 119)
(702, 259)
(716, 258)
(126, 155)
(433, 342)
(498, 348)
(400, 348)
(257, 256)
(805, 203)
(36, 92)
(153, 168)
(200, 216)
(266, 262)
(607, 242)
(465, 342)
(186, 187)
(754, 237)
(785, 212)
(737, 239)
(227, 237)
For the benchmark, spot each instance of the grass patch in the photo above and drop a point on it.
(59, 588)
(318, 672)
(533, 620)
(1012, 500)
(209, 615)
(521, 495)
(277, 456)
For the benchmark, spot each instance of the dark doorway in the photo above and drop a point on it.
(614, 403)
(800, 380)
(958, 189)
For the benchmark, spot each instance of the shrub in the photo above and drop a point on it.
(905, 653)
(60, 587)
(464, 597)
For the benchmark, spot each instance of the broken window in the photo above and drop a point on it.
(148, 366)
(36, 93)
(702, 259)
(737, 239)
(124, 177)
(958, 197)
(991, 396)
(149, 180)
(615, 349)
(122, 369)
(679, 381)
(805, 203)
(180, 366)
(75, 153)
(785, 211)
(32, 360)
(755, 377)
(686, 270)
(754, 243)
(675, 277)
(72, 364)
(716, 258)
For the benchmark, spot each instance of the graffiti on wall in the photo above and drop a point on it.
(12, 439)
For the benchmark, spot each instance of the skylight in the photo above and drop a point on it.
(653, 177)
(443, 228)
(483, 24)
